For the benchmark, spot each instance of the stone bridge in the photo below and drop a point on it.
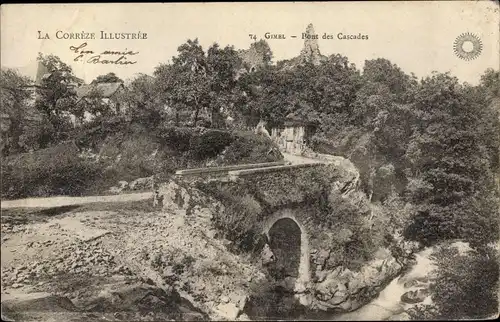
(300, 218)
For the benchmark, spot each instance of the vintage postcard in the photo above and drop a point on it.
(250, 161)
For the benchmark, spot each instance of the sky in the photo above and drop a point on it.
(417, 36)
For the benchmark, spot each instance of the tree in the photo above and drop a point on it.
(466, 286)
(184, 83)
(108, 78)
(222, 68)
(14, 101)
(94, 103)
(55, 98)
(452, 182)
(382, 111)
(491, 82)
(143, 100)
(382, 71)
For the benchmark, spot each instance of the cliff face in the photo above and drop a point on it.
(310, 53)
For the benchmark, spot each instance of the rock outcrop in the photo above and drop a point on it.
(343, 290)
(310, 53)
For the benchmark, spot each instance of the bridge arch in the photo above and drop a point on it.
(284, 227)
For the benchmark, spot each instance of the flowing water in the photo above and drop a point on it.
(388, 303)
(281, 305)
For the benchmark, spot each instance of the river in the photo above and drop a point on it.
(277, 304)
(388, 303)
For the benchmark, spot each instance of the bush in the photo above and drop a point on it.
(175, 138)
(209, 144)
(250, 148)
(466, 286)
(239, 220)
(52, 171)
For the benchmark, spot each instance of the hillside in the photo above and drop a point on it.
(104, 153)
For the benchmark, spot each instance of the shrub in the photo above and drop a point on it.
(238, 222)
(466, 286)
(175, 138)
(209, 144)
(248, 147)
(121, 150)
(52, 171)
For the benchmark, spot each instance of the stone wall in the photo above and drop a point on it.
(290, 139)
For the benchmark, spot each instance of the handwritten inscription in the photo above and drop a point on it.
(105, 57)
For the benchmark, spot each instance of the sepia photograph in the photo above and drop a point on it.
(250, 161)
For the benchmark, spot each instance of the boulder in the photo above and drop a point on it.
(228, 310)
(141, 183)
(320, 276)
(174, 196)
(122, 184)
(337, 299)
(267, 255)
(38, 302)
(417, 296)
(400, 317)
(411, 283)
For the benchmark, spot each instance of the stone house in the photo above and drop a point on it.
(109, 93)
(293, 136)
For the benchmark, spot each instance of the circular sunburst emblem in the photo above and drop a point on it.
(467, 46)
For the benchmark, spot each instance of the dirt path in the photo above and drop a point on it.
(60, 201)
(297, 159)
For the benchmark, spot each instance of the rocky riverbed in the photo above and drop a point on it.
(118, 261)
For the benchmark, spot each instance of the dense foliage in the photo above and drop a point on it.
(52, 171)
(466, 286)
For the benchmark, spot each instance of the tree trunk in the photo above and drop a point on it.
(197, 111)
(196, 116)
(213, 117)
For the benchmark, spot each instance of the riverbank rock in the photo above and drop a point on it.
(38, 302)
(416, 296)
(228, 310)
(344, 290)
(142, 297)
(141, 184)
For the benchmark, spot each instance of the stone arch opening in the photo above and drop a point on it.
(285, 241)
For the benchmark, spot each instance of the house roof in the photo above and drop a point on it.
(106, 89)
